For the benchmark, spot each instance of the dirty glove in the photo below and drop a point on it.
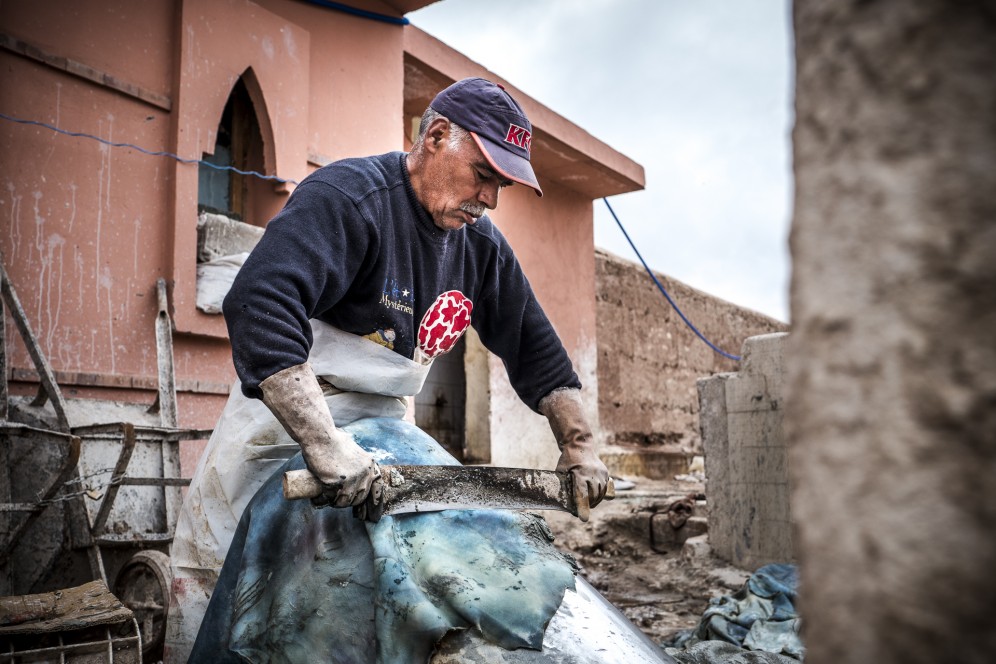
(347, 472)
(577, 444)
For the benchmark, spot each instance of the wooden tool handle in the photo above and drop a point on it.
(301, 484)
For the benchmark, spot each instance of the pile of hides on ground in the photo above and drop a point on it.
(756, 625)
(721, 652)
(301, 584)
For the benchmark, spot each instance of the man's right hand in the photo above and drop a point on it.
(347, 471)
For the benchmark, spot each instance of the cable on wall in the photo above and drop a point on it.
(154, 153)
(664, 291)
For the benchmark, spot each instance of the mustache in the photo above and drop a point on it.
(473, 210)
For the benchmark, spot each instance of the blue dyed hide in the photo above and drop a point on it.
(761, 616)
(304, 585)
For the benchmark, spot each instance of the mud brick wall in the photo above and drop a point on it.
(649, 361)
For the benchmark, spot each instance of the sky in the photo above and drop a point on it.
(699, 92)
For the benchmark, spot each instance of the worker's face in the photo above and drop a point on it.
(459, 183)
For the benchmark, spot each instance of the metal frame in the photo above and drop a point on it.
(35, 509)
(131, 435)
(93, 535)
(48, 389)
(64, 650)
(167, 436)
(86, 532)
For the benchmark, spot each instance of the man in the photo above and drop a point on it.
(375, 267)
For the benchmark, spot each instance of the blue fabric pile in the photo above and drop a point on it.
(761, 616)
(301, 585)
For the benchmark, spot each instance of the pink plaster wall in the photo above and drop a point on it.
(356, 79)
(87, 229)
(82, 232)
(553, 239)
(109, 35)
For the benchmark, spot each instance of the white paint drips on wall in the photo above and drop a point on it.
(290, 46)
(72, 205)
(15, 210)
(100, 214)
(106, 282)
(38, 245)
(53, 262)
(78, 274)
(136, 225)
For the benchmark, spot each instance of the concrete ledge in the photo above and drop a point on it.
(653, 464)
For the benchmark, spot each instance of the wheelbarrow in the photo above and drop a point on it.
(120, 481)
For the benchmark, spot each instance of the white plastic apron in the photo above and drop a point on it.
(246, 448)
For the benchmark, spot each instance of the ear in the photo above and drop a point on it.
(437, 135)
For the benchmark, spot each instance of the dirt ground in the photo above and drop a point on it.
(659, 581)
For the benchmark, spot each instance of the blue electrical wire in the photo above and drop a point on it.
(282, 180)
(180, 159)
(362, 13)
(662, 290)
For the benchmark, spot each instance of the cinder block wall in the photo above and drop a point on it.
(746, 462)
(649, 361)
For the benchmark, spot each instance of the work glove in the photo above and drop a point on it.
(589, 475)
(347, 472)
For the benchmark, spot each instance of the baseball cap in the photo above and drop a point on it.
(497, 123)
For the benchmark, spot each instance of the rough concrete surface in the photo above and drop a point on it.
(746, 457)
(649, 361)
(892, 358)
(652, 562)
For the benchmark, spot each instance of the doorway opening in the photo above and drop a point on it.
(440, 408)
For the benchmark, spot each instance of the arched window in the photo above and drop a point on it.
(231, 206)
(239, 144)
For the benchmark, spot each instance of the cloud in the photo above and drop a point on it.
(698, 93)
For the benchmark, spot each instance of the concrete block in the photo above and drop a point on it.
(746, 459)
(696, 549)
(713, 423)
(695, 526)
(218, 236)
(653, 464)
(665, 537)
(746, 394)
(763, 355)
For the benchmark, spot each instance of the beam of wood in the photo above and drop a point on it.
(85, 72)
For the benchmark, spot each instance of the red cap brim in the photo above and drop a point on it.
(507, 164)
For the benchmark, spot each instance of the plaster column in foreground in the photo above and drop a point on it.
(892, 357)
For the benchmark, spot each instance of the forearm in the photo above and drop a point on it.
(347, 472)
(563, 409)
(302, 266)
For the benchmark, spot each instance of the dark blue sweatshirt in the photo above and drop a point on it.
(354, 248)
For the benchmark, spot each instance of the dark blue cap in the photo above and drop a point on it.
(498, 124)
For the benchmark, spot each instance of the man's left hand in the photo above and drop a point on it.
(587, 471)
(577, 444)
